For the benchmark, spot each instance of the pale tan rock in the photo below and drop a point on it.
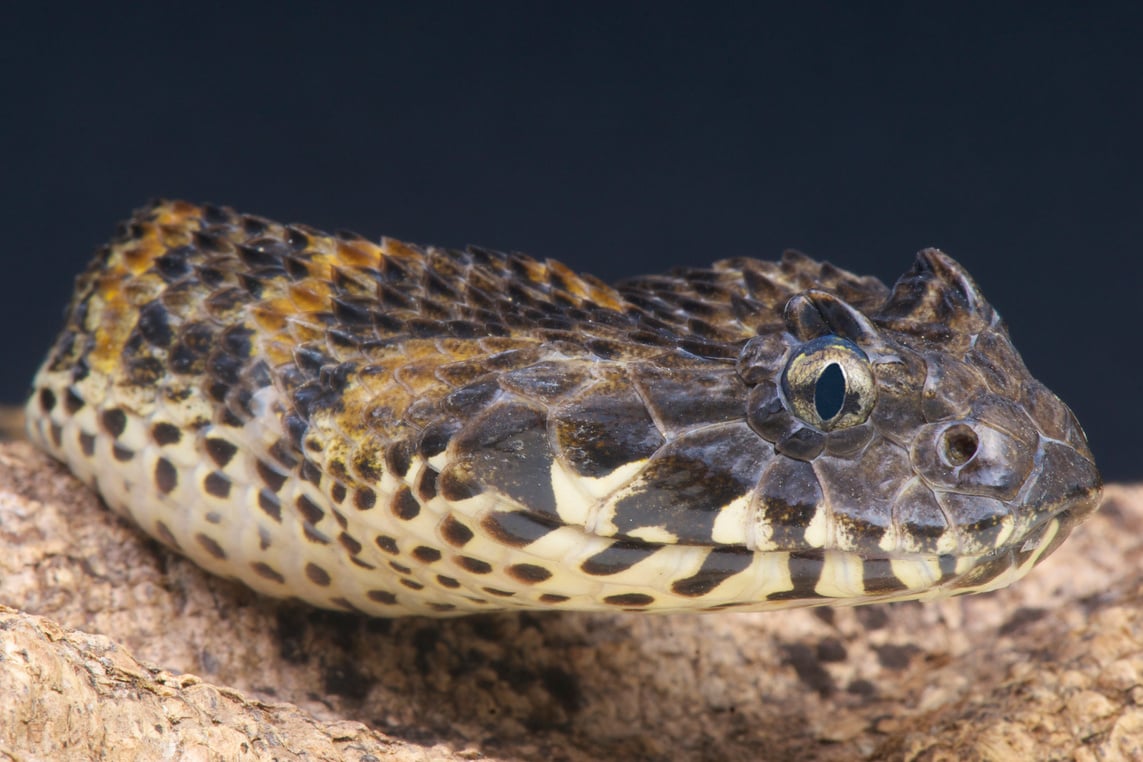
(118, 648)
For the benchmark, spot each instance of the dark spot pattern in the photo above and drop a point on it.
(217, 484)
(309, 510)
(364, 498)
(166, 476)
(404, 505)
(220, 450)
(114, 422)
(474, 565)
(211, 547)
(317, 575)
(454, 532)
(265, 571)
(382, 596)
(166, 434)
(270, 504)
(528, 574)
(73, 403)
(629, 599)
(165, 534)
(426, 554)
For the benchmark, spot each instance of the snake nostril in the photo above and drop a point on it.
(958, 445)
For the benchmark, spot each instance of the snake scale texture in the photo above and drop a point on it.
(396, 430)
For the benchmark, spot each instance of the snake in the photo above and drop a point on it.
(394, 429)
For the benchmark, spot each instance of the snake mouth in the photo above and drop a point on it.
(1005, 565)
(913, 576)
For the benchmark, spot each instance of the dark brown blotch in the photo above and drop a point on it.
(270, 504)
(427, 483)
(310, 510)
(217, 484)
(211, 546)
(382, 596)
(311, 473)
(364, 498)
(73, 403)
(425, 554)
(114, 421)
(629, 599)
(166, 535)
(220, 450)
(166, 434)
(474, 565)
(398, 457)
(265, 571)
(404, 505)
(529, 574)
(454, 532)
(456, 483)
(166, 476)
(317, 575)
(270, 476)
(313, 535)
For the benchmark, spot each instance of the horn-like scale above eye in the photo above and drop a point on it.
(828, 383)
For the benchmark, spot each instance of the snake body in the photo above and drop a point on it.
(393, 429)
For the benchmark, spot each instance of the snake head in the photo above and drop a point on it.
(921, 431)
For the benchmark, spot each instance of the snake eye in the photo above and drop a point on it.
(829, 384)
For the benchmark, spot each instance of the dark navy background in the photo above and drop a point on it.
(620, 138)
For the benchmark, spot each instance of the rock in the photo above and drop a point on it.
(114, 647)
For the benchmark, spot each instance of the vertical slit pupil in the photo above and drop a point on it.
(829, 392)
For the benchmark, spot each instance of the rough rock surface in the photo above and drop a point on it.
(114, 648)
